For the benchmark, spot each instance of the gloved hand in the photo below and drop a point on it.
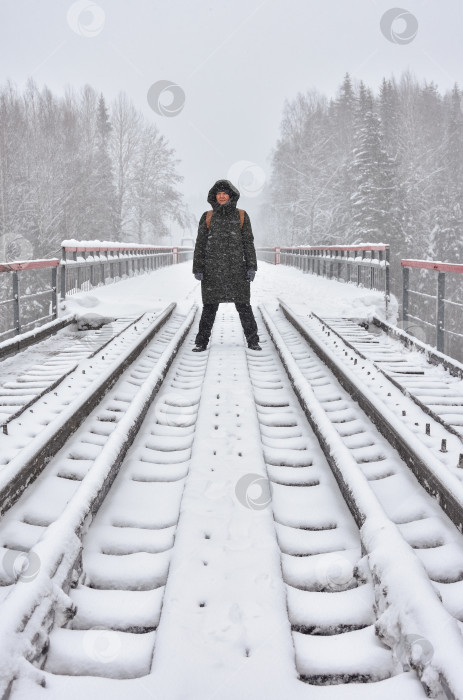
(199, 276)
(250, 275)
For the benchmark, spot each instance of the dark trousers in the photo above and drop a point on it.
(207, 321)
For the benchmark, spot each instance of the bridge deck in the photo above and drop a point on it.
(228, 518)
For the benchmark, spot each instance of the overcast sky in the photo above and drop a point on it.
(234, 61)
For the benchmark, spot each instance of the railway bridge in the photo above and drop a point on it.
(282, 524)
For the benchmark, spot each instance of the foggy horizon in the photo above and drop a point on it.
(235, 64)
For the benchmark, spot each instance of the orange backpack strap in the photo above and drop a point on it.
(209, 217)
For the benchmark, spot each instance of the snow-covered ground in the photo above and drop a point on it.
(224, 630)
(304, 293)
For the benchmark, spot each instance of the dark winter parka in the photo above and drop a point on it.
(224, 252)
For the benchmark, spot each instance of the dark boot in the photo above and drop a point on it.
(249, 325)
(205, 326)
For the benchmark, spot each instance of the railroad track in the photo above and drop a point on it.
(364, 465)
(435, 391)
(368, 565)
(429, 449)
(41, 538)
(38, 432)
(52, 362)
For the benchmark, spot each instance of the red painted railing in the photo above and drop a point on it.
(28, 265)
(439, 298)
(20, 311)
(432, 265)
(365, 265)
(84, 264)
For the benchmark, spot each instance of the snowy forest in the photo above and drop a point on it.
(361, 167)
(74, 167)
(364, 168)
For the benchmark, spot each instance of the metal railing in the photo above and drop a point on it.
(30, 290)
(84, 266)
(269, 254)
(431, 302)
(364, 265)
(22, 310)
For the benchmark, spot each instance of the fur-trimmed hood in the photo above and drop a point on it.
(223, 186)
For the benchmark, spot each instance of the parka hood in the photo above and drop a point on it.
(223, 186)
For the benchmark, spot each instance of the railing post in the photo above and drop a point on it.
(405, 286)
(440, 311)
(174, 256)
(387, 278)
(16, 314)
(78, 270)
(277, 255)
(63, 273)
(54, 292)
(91, 273)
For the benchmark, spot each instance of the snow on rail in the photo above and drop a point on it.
(437, 472)
(28, 458)
(30, 603)
(73, 245)
(407, 604)
(432, 265)
(18, 265)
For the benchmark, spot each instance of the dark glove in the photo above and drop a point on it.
(199, 276)
(250, 275)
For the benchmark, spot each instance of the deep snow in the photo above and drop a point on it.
(216, 635)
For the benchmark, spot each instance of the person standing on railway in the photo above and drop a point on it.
(225, 263)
